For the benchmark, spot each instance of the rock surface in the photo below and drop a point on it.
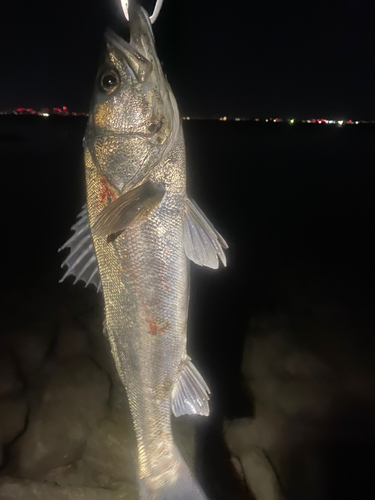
(30, 346)
(110, 450)
(10, 381)
(22, 489)
(74, 399)
(72, 340)
(12, 418)
(260, 475)
(312, 398)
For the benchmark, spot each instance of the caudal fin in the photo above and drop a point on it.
(183, 486)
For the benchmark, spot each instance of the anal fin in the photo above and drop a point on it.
(81, 261)
(203, 244)
(190, 394)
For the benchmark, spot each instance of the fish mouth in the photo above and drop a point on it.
(139, 52)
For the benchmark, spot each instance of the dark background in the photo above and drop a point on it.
(240, 58)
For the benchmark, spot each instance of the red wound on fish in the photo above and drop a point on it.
(154, 329)
(105, 192)
(162, 272)
(159, 326)
(163, 282)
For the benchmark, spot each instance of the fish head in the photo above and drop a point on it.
(134, 119)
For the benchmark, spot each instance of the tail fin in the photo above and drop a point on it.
(183, 486)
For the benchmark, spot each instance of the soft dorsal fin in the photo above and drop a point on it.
(203, 244)
(81, 261)
(190, 394)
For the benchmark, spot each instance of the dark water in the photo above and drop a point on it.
(295, 203)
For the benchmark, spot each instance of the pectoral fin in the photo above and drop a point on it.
(203, 244)
(190, 394)
(132, 206)
(81, 261)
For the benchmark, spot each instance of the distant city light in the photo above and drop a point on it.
(64, 111)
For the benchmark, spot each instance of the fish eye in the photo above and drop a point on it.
(109, 82)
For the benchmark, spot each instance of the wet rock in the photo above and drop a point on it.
(74, 474)
(71, 340)
(250, 441)
(23, 489)
(118, 401)
(259, 475)
(110, 450)
(236, 462)
(287, 383)
(73, 400)
(10, 381)
(265, 431)
(295, 389)
(93, 322)
(30, 346)
(287, 378)
(12, 419)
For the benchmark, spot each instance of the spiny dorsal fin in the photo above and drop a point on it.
(81, 261)
(190, 393)
(203, 244)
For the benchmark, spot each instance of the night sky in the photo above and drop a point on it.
(302, 59)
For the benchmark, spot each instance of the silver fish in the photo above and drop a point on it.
(134, 241)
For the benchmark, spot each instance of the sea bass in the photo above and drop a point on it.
(134, 240)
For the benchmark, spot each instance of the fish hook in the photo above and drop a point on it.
(158, 5)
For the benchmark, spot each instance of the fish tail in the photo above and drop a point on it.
(183, 486)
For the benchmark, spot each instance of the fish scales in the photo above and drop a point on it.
(145, 285)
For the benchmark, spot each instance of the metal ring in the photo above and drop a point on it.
(153, 17)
